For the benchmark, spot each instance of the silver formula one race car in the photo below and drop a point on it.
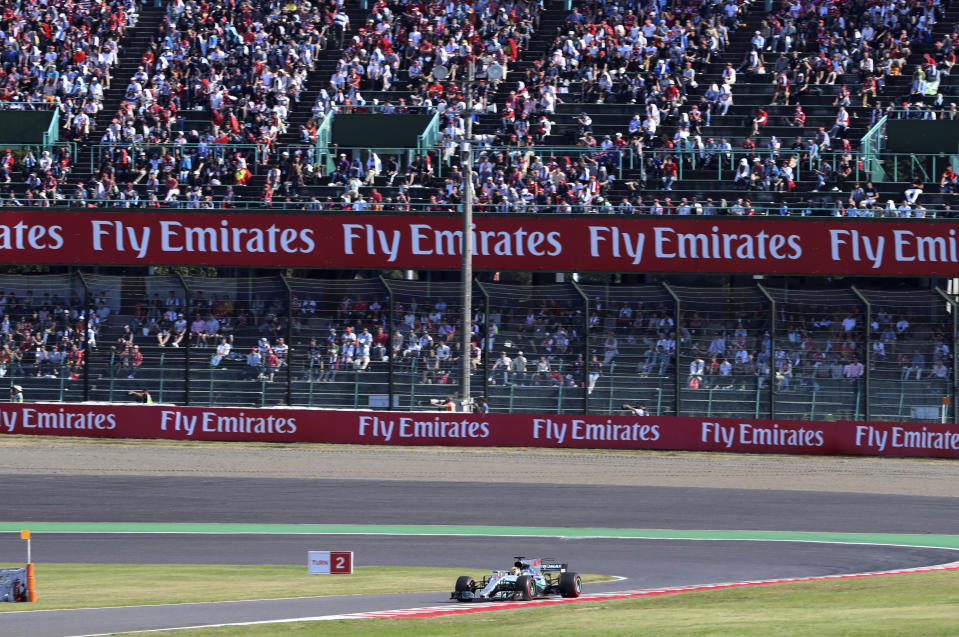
(528, 579)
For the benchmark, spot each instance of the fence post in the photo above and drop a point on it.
(954, 310)
(677, 399)
(186, 338)
(413, 360)
(390, 313)
(868, 355)
(612, 387)
(586, 348)
(85, 311)
(63, 371)
(162, 376)
(289, 340)
(356, 388)
(772, 350)
(113, 377)
(483, 338)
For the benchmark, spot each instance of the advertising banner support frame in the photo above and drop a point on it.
(678, 401)
(772, 350)
(86, 337)
(867, 304)
(484, 338)
(186, 338)
(390, 326)
(587, 350)
(954, 311)
(289, 340)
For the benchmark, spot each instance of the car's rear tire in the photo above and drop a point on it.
(570, 585)
(525, 587)
(465, 583)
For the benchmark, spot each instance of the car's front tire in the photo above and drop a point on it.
(465, 583)
(570, 585)
(526, 588)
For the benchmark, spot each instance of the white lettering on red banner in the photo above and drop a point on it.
(490, 430)
(742, 245)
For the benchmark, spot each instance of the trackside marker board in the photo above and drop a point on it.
(329, 562)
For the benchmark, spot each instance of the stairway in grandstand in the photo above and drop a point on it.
(317, 80)
(319, 77)
(136, 43)
(552, 22)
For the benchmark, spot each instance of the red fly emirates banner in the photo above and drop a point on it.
(473, 430)
(500, 242)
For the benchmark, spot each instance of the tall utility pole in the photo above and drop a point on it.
(467, 266)
(493, 72)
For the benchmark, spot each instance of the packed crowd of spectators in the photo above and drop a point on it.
(401, 42)
(246, 64)
(45, 335)
(199, 173)
(42, 176)
(652, 60)
(59, 55)
(397, 49)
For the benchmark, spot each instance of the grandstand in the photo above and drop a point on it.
(233, 108)
(705, 108)
(835, 353)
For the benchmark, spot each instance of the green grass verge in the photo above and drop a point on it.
(915, 605)
(100, 585)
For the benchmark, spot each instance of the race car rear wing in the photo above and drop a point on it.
(544, 564)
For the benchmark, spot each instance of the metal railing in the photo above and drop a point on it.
(387, 108)
(871, 147)
(20, 150)
(324, 136)
(318, 204)
(51, 135)
(426, 140)
(254, 153)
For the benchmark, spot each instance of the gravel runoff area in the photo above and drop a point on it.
(70, 456)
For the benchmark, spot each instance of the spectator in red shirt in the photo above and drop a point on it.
(868, 90)
(135, 361)
(272, 363)
(799, 118)
(759, 120)
(948, 181)
(670, 172)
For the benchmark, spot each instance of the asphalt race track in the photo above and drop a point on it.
(646, 563)
(59, 498)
